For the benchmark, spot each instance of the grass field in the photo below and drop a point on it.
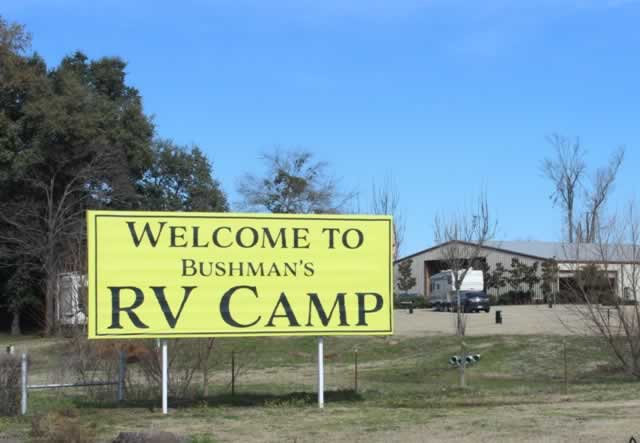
(406, 393)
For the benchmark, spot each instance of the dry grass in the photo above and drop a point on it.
(406, 393)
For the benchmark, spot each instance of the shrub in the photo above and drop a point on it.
(61, 427)
(515, 298)
(418, 301)
(87, 361)
(9, 384)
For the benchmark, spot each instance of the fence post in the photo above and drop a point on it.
(24, 379)
(121, 375)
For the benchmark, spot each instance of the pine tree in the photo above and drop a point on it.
(549, 278)
(406, 280)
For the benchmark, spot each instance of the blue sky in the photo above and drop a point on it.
(447, 96)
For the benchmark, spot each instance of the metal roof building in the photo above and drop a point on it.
(622, 261)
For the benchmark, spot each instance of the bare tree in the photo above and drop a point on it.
(565, 172)
(606, 288)
(385, 200)
(204, 354)
(463, 237)
(597, 196)
(294, 183)
(38, 232)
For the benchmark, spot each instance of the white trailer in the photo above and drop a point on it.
(71, 298)
(443, 287)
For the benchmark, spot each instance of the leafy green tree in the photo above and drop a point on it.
(294, 183)
(406, 280)
(549, 278)
(19, 293)
(495, 279)
(530, 276)
(594, 283)
(180, 179)
(500, 277)
(522, 274)
(516, 274)
(71, 138)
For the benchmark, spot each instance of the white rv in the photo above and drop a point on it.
(443, 287)
(70, 304)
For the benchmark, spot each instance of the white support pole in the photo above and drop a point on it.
(165, 377)
(23, 402)
(320, 372)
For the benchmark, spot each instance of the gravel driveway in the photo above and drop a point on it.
(524, 320)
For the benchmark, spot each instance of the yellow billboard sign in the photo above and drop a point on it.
(165, 274)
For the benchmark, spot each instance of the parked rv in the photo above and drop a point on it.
(443, 296)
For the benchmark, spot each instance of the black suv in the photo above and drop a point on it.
(475, 301)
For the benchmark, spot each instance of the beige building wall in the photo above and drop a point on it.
(492, 257)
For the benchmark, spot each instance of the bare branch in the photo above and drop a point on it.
(565, 172)
(600, 190)
(462, 237)
(294, 183)
(603, 286)
(385, 200)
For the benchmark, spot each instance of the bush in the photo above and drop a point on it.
(9, 384)
(418, 301)
(61, 427)
(515, 298)
(87, 361)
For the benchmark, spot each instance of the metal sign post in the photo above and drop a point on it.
(320, 372)
(165, 377)
(24, 381)
(355, 251)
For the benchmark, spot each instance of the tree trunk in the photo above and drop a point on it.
(463, 363)
(205, 378)
(50, 317)
(463, 357)
(570, 222)
(15, 323)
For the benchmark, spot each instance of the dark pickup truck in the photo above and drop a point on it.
(474, 301)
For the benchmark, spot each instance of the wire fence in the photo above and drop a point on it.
(273, 371)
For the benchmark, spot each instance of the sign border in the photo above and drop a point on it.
(221, 215)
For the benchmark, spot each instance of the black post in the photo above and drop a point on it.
(233, 373)
(498, 317)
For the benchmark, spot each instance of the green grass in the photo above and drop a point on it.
(401, 382)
